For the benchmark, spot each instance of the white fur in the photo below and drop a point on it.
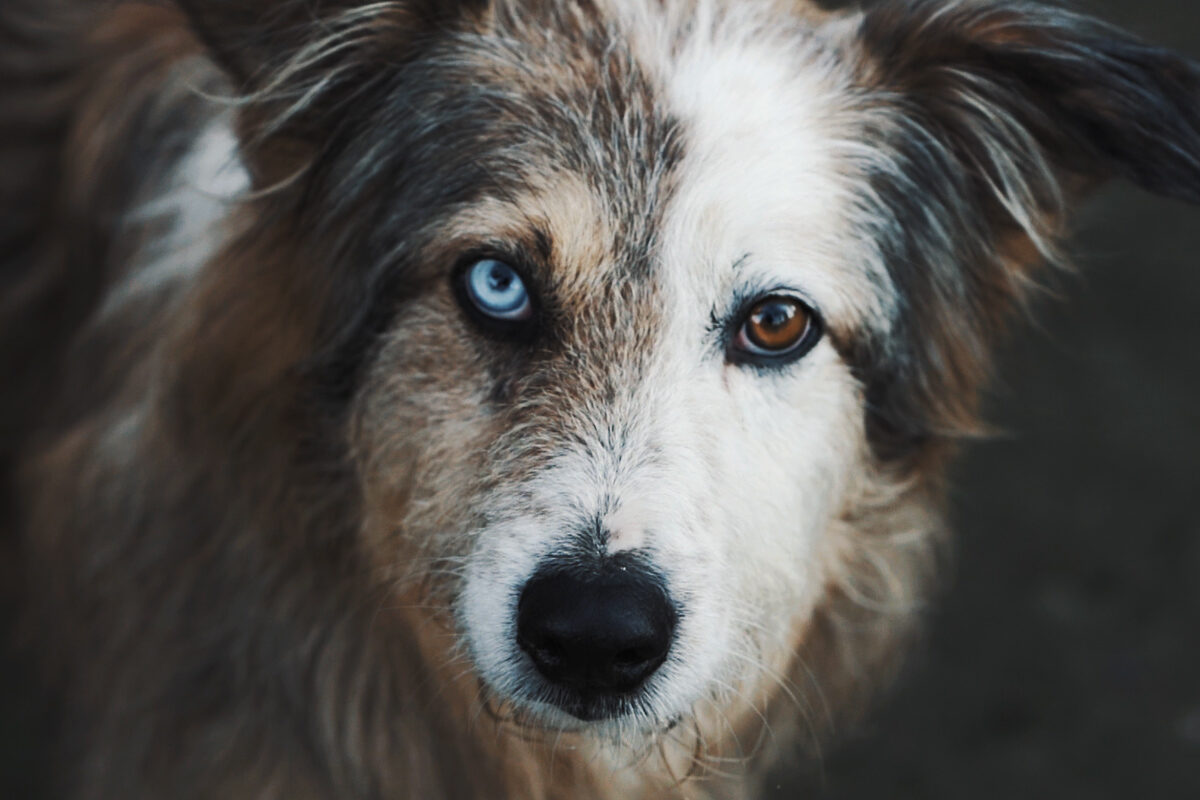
(729, 476)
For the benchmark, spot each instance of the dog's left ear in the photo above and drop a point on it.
(985, 120)
(1018, 86)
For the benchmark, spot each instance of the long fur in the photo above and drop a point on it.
(254, 461)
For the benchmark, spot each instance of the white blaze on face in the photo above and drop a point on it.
(728, 476)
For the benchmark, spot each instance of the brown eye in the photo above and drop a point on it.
(776, 326)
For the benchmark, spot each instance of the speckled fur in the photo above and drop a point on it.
(273, 492)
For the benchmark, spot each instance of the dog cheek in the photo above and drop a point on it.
(792, 464)
(418, 432)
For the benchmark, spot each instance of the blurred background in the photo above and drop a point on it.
(1063, 656)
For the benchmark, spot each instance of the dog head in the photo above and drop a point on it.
(648, 326)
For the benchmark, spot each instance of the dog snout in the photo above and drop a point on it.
(599, 633)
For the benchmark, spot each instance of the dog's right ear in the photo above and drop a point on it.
(255, 40)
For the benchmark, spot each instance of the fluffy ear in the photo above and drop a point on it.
(987, 119)
(255, 39)
(1008, 84)
(302, 67)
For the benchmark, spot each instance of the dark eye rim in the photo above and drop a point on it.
(812, 334)
(515, 328)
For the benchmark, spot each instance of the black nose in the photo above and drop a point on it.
(599, 633)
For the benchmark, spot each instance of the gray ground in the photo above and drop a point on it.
(1064, 657)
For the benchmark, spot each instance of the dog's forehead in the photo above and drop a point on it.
(769, 180)
(695, 137)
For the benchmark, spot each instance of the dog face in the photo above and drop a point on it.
(653, 324)
(636, 479)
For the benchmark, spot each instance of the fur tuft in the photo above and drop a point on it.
(279, 482)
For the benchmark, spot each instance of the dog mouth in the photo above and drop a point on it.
(593, 708)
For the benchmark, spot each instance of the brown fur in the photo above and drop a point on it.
(239, 498)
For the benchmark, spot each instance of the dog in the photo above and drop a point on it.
(513, 398)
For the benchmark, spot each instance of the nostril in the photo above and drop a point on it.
(544, 651)
(628, 658)
(600, 632)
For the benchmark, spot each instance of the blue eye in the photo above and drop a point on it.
(497, 291)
